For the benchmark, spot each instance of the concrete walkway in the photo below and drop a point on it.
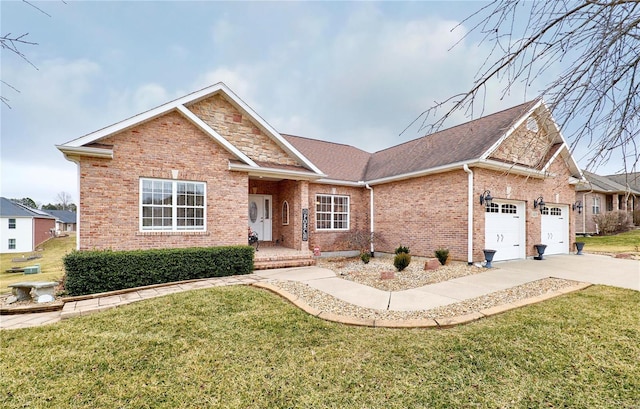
(593, 269)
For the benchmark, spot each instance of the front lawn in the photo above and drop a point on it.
(51, 266)
(628, 242)
(240, 347)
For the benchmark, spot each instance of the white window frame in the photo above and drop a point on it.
(11, 245)
(324, 200)
(175, 207)
(596, 205)
(12, 223)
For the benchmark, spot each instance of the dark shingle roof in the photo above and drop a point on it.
(461, 143)
(627, 179)
(65, 216)
(13, 209)
(604, 184)
(337, 161)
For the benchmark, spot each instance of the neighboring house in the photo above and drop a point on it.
(65, 220)
(603, 194)
(22, 228)
(200, 170)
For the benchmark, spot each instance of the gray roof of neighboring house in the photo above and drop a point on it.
(627, 179)
(13, 209)
(462, 143)
(604, 184)
(65, 216)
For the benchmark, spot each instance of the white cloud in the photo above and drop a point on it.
(41, 183)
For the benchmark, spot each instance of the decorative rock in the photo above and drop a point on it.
(11, 299)
(387, 275)
(432, 264)
(45, 298)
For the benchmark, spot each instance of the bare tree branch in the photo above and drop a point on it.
(599, 42)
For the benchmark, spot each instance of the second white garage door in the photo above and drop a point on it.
(555, 229)
(504, 226)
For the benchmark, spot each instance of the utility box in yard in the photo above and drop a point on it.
(35, 269)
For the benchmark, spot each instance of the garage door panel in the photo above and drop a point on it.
(555, 229)
(504, 230)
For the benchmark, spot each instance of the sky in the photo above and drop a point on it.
(357, 73)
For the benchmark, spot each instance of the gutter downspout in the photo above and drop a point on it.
(469, 215)
(371, 216)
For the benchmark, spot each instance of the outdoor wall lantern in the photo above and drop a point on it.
(538, 202)
(577, 205)
(485, 198)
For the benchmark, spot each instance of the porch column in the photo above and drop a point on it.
(303, 199)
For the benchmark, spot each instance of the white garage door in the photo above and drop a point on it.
(504, 230)
(555, 229)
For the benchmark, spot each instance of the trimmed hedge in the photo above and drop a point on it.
(90, 272)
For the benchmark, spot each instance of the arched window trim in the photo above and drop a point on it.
(285, 213)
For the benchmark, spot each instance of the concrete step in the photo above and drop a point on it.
(266, 264)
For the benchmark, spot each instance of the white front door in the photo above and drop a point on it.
(555, 229)
(504, 230)
(260, 216)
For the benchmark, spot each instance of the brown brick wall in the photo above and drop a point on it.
(109, 189)
(424, 213)
(358, 223)
(238, 129)
(42, 230)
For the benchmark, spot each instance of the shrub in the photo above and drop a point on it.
(89, 272)
(442, 255)
(402, 249)
(613, 222)
(365, 257)
(401, 261)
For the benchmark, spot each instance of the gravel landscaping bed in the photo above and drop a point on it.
(412, 277)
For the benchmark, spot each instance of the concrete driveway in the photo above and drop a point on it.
(591, 268)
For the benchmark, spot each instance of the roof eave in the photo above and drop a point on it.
(74, 151)
(274, 172)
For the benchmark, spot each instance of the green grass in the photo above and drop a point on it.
(240, 347)
(51, 266)
(628, 242)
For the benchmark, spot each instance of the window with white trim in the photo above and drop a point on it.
(596, 205)
(12, 223)
(332, 212)
(172, 205)
(285, 213)
(12, 244)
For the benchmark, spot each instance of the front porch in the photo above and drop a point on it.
(270, 256)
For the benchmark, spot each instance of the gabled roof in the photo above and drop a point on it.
(459, 144)
(64, 216)
(471, 143)
(86, 145)
(603, 184)
(13, 209)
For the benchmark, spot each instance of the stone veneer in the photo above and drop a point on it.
(240, 131)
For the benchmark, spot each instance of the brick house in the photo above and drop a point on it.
(598, 195)
(200, 170)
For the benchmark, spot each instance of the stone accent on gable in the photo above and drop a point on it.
(524, 146)
(240, 131)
